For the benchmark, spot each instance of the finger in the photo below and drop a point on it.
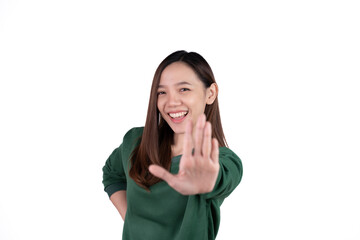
(206, 148)
(187, 147)
(215, 151)
(161, 173)
(199, 134)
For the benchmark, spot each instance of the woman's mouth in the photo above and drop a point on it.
(178, 116)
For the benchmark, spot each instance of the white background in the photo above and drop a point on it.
(76, 75)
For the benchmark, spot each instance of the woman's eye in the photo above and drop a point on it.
(161, 93)
(184, 89)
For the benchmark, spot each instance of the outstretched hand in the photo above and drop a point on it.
(198, 171)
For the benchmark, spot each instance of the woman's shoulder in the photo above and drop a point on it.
(135, 131)
(133, 134)
(230, 159)
(226, 150)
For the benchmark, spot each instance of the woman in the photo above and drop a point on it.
(182, 144)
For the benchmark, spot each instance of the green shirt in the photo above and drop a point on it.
(163, 213)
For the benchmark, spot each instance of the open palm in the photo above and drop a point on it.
(198, 170)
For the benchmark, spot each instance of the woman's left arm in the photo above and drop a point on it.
(230, 174)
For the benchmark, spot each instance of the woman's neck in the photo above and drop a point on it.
(177, 147)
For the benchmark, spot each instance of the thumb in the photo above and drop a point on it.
(161, 173)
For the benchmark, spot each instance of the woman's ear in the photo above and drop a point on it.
(211, 93)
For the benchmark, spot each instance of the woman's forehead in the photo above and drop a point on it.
(178, 73)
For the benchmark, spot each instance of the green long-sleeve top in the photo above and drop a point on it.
(163, 213)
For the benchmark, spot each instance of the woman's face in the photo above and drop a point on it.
(182, 96)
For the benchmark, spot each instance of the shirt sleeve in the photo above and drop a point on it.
(230, 174)
(114, 178)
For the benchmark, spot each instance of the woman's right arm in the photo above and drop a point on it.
(119, 200)
(114, 180)
(114, 171)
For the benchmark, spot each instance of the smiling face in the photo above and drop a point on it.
(182, 96)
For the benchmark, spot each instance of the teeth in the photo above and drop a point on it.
(177, 115)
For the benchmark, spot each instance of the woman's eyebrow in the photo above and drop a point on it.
(177, 84)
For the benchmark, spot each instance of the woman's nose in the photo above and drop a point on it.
(174, 99)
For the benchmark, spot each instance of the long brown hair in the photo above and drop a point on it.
(157, 137)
